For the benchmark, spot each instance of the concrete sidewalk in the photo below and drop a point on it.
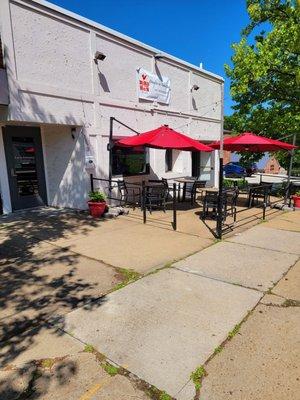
(232, 308)
(165, 325)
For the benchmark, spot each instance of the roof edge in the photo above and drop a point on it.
(122, 36)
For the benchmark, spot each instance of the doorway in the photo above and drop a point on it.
(25, 166)
(196, 164)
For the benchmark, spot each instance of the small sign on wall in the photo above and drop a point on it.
(153, 87)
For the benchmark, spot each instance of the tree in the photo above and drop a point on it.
(265, 76)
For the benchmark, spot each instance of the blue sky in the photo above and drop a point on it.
(194, 30)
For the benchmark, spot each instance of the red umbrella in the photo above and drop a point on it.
(164, 138)
(250, 142)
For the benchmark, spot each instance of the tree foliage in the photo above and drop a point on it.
(265, 76)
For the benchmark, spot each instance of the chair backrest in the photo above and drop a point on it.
(211, 197)
(199, 184)
(157, 190)
(261, 191)
(232, 196)
(165, 182)
(122, 186)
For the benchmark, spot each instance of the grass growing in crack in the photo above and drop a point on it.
(197, 376)
(217, 241)
(291, 303)
(47, 363)
(165, 396)
(109, 368)
(218, 350)
(88, 348)
(128, 276)
(234, 331)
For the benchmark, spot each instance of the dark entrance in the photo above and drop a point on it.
(196, 164)
(25, 166)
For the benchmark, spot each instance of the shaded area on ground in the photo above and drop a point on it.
(40, 282)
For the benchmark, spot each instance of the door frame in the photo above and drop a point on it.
(34, 131)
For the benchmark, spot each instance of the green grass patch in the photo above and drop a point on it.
(47, 363)
(110, 369)
(128, 276)
(218, 350)
(197, 376)
(88, 348)
(234, 331)
(164, 396)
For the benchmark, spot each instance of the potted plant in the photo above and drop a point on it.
(296, 198)
(96, 203)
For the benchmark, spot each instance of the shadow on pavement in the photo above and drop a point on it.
(38, 284)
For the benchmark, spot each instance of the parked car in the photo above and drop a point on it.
(234, 170)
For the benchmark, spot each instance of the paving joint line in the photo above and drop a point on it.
(217, 279)
(259, 247)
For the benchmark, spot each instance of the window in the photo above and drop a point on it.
(129, 161)
(169, 160)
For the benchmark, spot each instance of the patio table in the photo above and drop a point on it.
(184, 180)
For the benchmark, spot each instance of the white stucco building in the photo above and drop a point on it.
(56, 103)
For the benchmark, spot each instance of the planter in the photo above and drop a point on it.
(97, 208)
(296, 201)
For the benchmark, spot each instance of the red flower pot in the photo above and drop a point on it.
(97, 208)
(296, 201)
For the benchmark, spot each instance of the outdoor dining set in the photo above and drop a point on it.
(158, 194)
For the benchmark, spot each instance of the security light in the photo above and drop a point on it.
(158, 56)
(195, 87)
(99, 56)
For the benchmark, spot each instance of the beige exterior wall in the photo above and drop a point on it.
(54, 80)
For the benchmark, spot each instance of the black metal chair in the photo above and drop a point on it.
(191, 189)
(156, 197)
(126, 192)
(259, 194)
(210, 204)
(231, 202)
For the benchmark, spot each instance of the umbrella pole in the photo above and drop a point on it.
(287, 192)
(220, 196)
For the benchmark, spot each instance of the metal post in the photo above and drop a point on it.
(220, 196)
(144, 202)
(265, 204)
(287, 192)
(92, 182)
(174, 207)
(110, 148)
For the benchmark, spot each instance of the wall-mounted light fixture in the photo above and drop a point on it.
(99, 56)
(158, 56)
(195, 87)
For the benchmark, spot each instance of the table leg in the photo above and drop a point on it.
(184, 192)
(179, 188)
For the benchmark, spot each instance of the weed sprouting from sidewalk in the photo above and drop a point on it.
(218, 350)
(197, 376)
(88, 348)
(165, 396)
(48, 363)
(128, 276)
(234, 331)
(109, 368)
(291, 303)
